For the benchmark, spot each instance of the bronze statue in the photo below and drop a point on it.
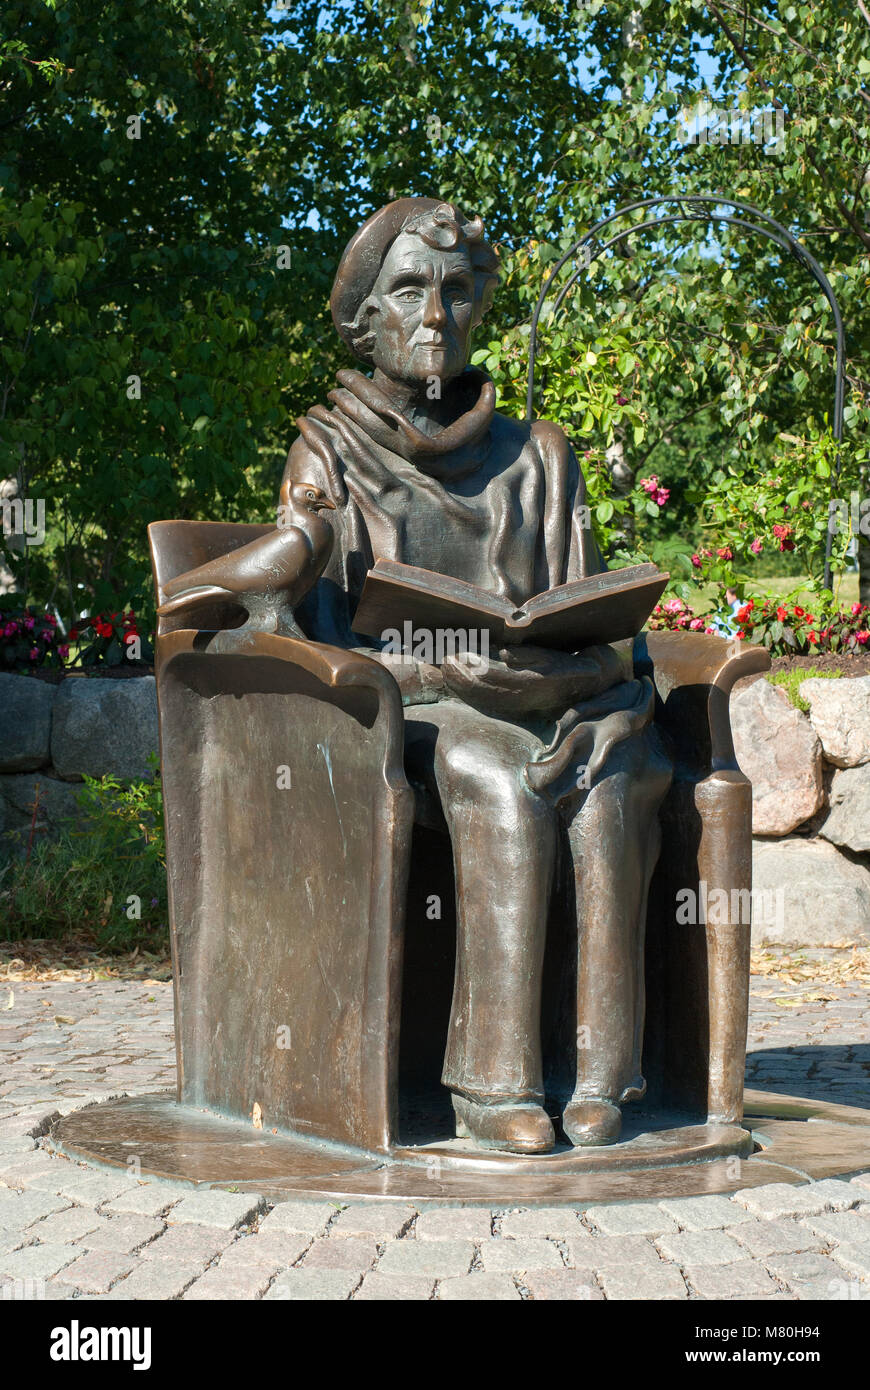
(534, 746)
(327, 803)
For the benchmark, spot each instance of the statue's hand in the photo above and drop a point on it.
(532, 680)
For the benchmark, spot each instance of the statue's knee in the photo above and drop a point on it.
(494, 783)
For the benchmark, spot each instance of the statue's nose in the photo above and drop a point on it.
(433, 313)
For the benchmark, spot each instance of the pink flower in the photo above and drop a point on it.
(756, 546)
(649, 484)
(674, 605)
(34, 654)
(63, 651)
(30, 624)
(862, 637)
(661, 495)
(857, 608)
(696, 623)
(710, 631)
(696, 561)
(726, 553)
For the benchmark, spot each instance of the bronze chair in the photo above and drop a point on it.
(309, 981)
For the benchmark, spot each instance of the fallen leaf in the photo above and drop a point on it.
(257, 1116)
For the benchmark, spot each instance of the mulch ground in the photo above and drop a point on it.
(77, 959)
(807, 971)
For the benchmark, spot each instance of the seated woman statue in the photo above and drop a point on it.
(528, 748)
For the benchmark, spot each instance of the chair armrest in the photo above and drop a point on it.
(693, 674)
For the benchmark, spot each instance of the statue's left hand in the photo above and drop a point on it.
(533, 680)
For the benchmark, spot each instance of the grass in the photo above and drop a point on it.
(790, 682)
(845, 591)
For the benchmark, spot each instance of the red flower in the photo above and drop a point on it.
(798, 612)
(781, 614)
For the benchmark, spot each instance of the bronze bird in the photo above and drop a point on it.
(269, 576)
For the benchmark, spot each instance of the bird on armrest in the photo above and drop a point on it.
(269, 576)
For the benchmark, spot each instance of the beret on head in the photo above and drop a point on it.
(367, 249)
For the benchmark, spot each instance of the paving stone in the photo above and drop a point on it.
(700, 1248)
(454, 1223)
(37, 1261)
(224, 1210)
(311, 1218)
(551, 1284)
(385, 1222)
(442, 1259)
(188, 1244)
(557, 1222)
(19, 1145)
(763, 1238)
(394, 1287)
(489, 1288)
(342, 1252)
(33, 1122)
(24, 1169)
(705, 1213)
(97, 1271)
(66, 1226)
(13, 1240)
(309, 1284)
(157, 1280)
(145, 1201)
(804, 1268)
(237, 1282)
(844, 1227)
(621, 1284)
(19, 1209)
(855, 1259)
(613, 1252)
(631, 1219)
(781, 1199)
(742, 1279)
(506, 1256)
(123, 1234)
(283, 1248)
(86, 1189)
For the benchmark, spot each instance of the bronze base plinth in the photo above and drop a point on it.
(786, 1139)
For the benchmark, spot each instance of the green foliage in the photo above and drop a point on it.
(155, 348)
(791, 680)
(93, 874)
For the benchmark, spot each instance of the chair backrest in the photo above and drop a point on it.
(178, 546)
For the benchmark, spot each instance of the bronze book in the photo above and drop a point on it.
(599, 609)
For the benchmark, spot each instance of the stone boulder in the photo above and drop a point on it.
(840, 715)
(815, 896)
(848, 824)
(104, 727)
(25, 722)
(56, 806)
(779, 751)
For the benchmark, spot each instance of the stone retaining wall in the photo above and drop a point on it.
(810, 777)
(53, 735)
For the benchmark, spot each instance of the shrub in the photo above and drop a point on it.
(29, 639)
(96, 872)
(788, 628)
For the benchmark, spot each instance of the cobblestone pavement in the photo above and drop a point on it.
(79, 1234)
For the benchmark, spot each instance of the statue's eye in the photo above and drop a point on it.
(408, 295)
(311, 496)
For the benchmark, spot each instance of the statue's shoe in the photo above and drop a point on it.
(518, 1129)
(592, 1122)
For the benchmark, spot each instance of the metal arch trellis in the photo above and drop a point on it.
(700, 211)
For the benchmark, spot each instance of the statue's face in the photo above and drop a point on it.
(424, 299)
